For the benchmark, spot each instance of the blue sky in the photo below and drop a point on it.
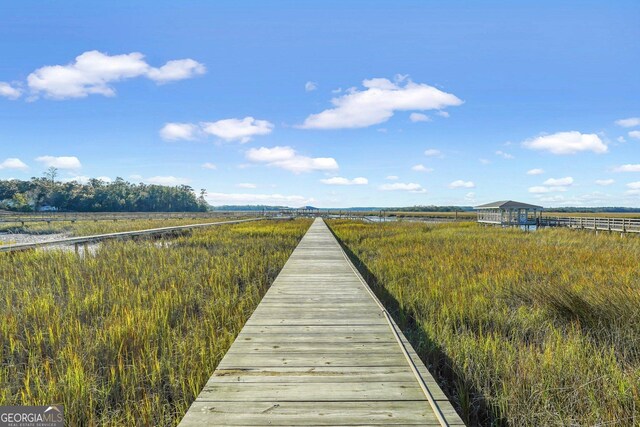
(332, 103)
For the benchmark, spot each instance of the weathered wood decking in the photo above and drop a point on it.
(320, 350)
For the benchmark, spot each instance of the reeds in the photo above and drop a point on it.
(532, 329)
(129, 335)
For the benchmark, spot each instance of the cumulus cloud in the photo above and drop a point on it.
(567, 143)
(237, 129)
(13, 163)
(444, 114)
(337, 180)
(377, 103)
(634, 188)
(419, 117)
(605, 182)
(208, 165)
(177, 131)
(167, 180)
(552, 185)
(629, 123)
(536, 171)
(80, 179)
(179, 69)
(554, 182)
(504, 155)
(9, 91)
(484, 161)
(93, 72)
(63, 162)
(411, 187)
(541, 189)
(421, 168)
(287, 158)
(392, 178)
(260, 199)
(310, 86)
(627, 168)
(246, 185)
(634, 134)
(462, 184)
(432, 152)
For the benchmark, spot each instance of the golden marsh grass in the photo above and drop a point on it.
(535, 329)
(129, 335)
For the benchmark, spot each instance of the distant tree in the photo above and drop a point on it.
(51, 174)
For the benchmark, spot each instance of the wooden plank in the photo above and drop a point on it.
(318, 350)
(304, 392)
(309, 413)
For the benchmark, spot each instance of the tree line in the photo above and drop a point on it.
(45, 193)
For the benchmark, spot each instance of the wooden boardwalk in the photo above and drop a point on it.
(320, 350)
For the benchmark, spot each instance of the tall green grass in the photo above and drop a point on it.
(533, 329)
(130, 335)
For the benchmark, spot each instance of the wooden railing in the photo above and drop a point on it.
(623, 225)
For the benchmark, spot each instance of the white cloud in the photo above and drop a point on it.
(259, 199)
(13, 163)
(104, 179)
(287, 158)
(176, 131)
(536, 171)
(246, 185)
(634, 134)
(554, 182)
(310, 86)
(80, 179)
(629, 123)
(605, 182)
(392, 178)
(627, 168)
(209, 165)
(337, 180)
(567, 143)
(634, 188)
(621, 139)
(93, 72)
(543, 189)
(400, 186)
(419, 117)
(432, 152)
(462, 184)
(377, 103)
(634, 185)
(443, 114)
(421, 168)
(9, 91)
(167, 180)
(63, 162)
(237, 129)
(484, 161)
(179, 69)
(504, 155)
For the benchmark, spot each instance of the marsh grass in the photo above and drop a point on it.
(522, 328)
(129, 335)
